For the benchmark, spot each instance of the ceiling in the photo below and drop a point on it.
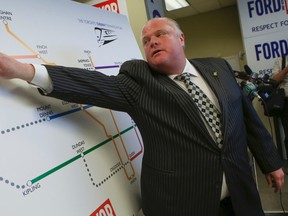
(196, 7)
(200, 6)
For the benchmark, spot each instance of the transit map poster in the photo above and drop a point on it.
(57, 157)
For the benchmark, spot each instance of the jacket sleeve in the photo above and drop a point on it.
(259, 140)
(92, 87)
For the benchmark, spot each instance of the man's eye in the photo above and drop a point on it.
(160, 34)
(145, 42)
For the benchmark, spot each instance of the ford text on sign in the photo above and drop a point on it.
(105, 209)
(110, 5)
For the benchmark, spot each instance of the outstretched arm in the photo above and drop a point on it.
(11, 68)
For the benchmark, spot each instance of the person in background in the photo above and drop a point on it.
(280, 75)
(188, 167)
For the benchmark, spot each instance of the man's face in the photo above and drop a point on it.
(163, 46)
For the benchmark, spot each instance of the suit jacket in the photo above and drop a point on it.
(182, 167)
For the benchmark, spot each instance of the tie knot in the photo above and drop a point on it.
(183, 77)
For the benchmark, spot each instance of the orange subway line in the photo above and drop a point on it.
(25, 45)
(24, 56)
(91, 61)
(19, 40)
(113, 140)
(102, 125)
(122, 142)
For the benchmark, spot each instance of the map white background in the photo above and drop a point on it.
(42, 170)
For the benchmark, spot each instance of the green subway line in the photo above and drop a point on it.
(78, 156)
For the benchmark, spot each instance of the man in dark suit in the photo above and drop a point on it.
(185, 170)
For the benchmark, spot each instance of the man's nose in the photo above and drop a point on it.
(154, 41)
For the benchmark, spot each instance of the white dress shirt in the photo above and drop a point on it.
(42, 79)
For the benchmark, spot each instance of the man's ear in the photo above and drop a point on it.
(182, 39)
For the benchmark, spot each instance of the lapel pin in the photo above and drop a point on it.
(215, 74)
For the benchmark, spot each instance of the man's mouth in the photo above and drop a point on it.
(156, 52)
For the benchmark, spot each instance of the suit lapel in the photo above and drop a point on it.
(187, 105)
(213, 77)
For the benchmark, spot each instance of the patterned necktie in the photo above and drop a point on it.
(204, 104)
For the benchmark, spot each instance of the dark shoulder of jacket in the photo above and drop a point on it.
(136, 67)
(208, 60)
(132, 65)
(213, 63)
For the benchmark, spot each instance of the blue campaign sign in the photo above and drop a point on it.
(264, 27)
(155, 8)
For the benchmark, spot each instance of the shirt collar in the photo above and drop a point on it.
(189, 68)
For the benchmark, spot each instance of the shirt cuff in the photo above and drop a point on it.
(42, 79)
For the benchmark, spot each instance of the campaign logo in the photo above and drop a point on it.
(263, 7)
(106, 209)
(110, 5)
(104, 36)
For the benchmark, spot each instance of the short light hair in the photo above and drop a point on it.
(170, 21)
